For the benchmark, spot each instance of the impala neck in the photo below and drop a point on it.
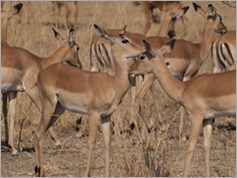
(4, 33)
(172, 86)
(57, 57)
(120, 72)
(206, 41)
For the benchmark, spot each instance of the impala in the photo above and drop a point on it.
(5, 17)
(163, 12)
(100, 56)
(224, 52)
(204, 97)
(58, 5)
(183, 62)
(94, 93)
(186, 58)
(19, 71)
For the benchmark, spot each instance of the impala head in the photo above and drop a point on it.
(72, 56)
(171, 12)
(147, 61)
(121, 44)
(6, 16)
(213, 17)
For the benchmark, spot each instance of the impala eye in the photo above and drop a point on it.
(142, 57)
(125, 41)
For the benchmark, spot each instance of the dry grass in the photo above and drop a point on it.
(141, 154)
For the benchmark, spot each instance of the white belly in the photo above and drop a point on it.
(6, 87)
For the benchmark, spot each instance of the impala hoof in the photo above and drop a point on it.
(38, 172)
(14, 152)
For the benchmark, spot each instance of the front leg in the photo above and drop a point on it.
(196, 123)
(12, 114)
(93, 122)
(34, 96)
(107, 138)
(207, 132)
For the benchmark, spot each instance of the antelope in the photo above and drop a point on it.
(5, 17)
(204, 97)
(96, 94)
(183, 62)
(19, 71)
(186, 58)
(100, 57)
(58, 5)
(224, 52)
(163, 12)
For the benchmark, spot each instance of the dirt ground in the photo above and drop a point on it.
(145, 153)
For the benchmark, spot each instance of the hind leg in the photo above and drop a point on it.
(12, 115)
(4, 110)
(51, 112)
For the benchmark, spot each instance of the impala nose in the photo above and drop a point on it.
(132, 79)
(171, 33)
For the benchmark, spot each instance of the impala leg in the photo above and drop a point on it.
(75, 14)
(146, 85)
(93, 122)
(54, 10)
(181, 122)
(58, 111)
(51, 113)
(182, 114)
(207, 131)
(57, 15)
(196, 123)
(12, 106)
(68, 12)
(4, 109)
(148, 17)
(34, 96)
(38, 135)
(134, 108)
(107, 137)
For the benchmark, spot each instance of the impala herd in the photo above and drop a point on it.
(117, 57)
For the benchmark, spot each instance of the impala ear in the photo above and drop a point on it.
(146, 45)
(103, 33)
(149, 52)
(167, 48)
(199, 10)
(185, 9)
(179, 13)
(57, 35)
(211, 10)
(72, 37)
(15, 10)
(156, 12)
